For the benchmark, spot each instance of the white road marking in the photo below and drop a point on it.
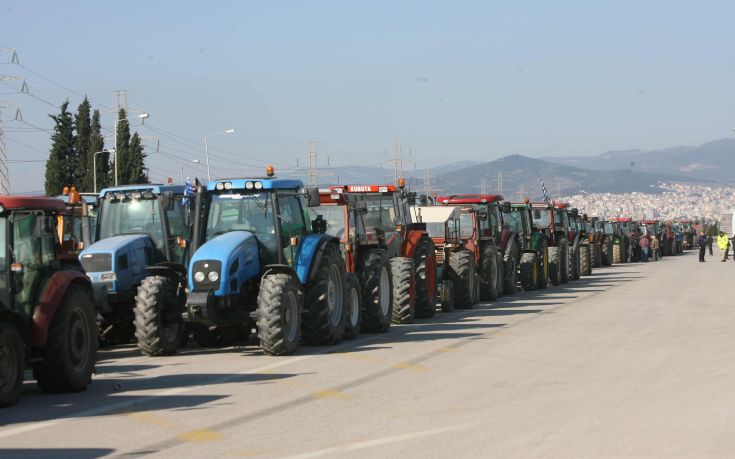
(121, 405)
(346, 448)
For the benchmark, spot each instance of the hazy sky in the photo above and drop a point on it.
(455, 80)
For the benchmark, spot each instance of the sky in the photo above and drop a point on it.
(460, 80)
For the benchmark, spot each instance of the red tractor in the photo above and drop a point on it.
(368, 296)
(408, 246)
(480, 224)
(47, 318)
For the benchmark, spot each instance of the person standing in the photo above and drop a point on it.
(644, 243)
(702, 243)
(655, 247)
(723, 242)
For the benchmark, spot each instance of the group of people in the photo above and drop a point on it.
(650, 247)
(723, 242)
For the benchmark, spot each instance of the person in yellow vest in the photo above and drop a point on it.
(723, 242)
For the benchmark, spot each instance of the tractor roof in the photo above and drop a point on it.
(332, 195)
(519, 205)
(370, 188)
(541, 205)
(153, 187)
(434, 214)
(469, 199)
(266, 184)
(32, 203)
(649, 222)
(563, 205)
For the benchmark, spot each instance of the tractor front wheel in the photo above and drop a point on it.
(158, 325)
(554, 266)
(374, 271)
(70, 352)
(324, 314)
(462, 267)
(424, 259)
(489, 286)
(353, 303)
(279, 318)
(529, 271)
(12, 364)
(402, 270)
(585, 265)
(510, 273)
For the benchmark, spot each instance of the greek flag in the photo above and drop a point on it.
(546, 192)
(188, 192)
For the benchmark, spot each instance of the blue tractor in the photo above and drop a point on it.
(140, 229)
(260, 262)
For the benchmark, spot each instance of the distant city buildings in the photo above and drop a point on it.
(678, 201)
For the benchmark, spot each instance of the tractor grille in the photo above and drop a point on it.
(97, 262)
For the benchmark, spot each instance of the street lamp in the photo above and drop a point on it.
(94, 165)
(193, 161)
(143, 116)
(206, 149)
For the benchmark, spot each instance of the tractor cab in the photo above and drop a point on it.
(77, 227)
(43, 294)
(138, 226)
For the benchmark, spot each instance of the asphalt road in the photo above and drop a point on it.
(637, 360)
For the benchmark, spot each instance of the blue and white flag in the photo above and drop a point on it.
(547, 200)
(188, 192)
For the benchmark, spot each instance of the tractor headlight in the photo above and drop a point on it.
(258, 185)
(213, 276)
(248, 185)
(199, 276)
(219, 186)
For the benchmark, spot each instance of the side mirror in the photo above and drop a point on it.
(319, 225)
(312, 197)
(506, 208)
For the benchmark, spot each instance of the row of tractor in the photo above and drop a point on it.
(160, 265)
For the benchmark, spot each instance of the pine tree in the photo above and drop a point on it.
(136, 161)
(83, 164)
(97, 143)
(59, 169)
(122, 149)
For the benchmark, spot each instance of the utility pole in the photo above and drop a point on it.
(483, 186)
(313, 172)
(428, 188)
(398, 160)
(500, 183)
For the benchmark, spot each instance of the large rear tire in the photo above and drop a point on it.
(585, 267)
(565, 266)
(462, 268)
(12, 364)
(70, 352)
(324, 314)
(279, 317)
(489, 286)
(554, 266)
(158, 324)
(424, 260)
(374, 271)
(617, 254)
(529, 271)
(607, 252)
(510, 273)
(353, 303)
(402, 270)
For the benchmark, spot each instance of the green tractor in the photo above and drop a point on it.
(528, 246)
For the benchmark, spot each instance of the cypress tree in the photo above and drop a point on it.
(136, 161)
(97, 143)
(59, 168)
(83, 165)
(122, 150)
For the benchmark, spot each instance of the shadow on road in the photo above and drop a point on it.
(62, 453)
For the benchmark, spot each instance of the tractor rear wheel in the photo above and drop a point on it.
(462, 267)
(279, 318)
(402, 270)
(573, 262)
(543, 267)
(585, 268)
(353, 303)
(607, 252)
(374, 271)
(158, 324)
(617, 254)
(424, 260)
(12, 364)
(510, 273)
(70, 352)
(565, 265)
(554, 266)
(489, 286)
(529, 271)
(324, 314)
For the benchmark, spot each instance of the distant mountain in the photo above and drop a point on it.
(703, 162)
(521, 177)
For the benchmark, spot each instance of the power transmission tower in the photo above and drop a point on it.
(429, 189)
(398, 160)
(500, 183)
(4, 173)
(313, 172)
(122, 100)
(483, 186)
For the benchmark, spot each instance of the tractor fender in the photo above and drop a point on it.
(48, 302)
(413, 238)
(310, 254)
(237, 255)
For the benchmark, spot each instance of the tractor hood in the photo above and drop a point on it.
(225, 263)
(118, 263)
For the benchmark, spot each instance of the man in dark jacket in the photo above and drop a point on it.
(702, 242)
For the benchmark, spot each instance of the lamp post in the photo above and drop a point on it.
(206, 149)
(193, 161)
(142, 116)
(94, 164)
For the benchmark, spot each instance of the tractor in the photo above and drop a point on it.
(139, 228)
(47, 318)
(688, 235)
(548, 221)
(604, 239)
(621, 241)
(565, 216)
(408, 245)
(368, 267)
(629, 230)
(583, 229)
(652, 228)
(457, 271)
(481, 233)
(527, 246)
(258, 261)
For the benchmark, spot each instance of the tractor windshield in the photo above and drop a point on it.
(609, 228)
(132, 216)
(541, 218)
(625, 226)
(335, 217)
(243, 212)
(515, 221)
(381, 212)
